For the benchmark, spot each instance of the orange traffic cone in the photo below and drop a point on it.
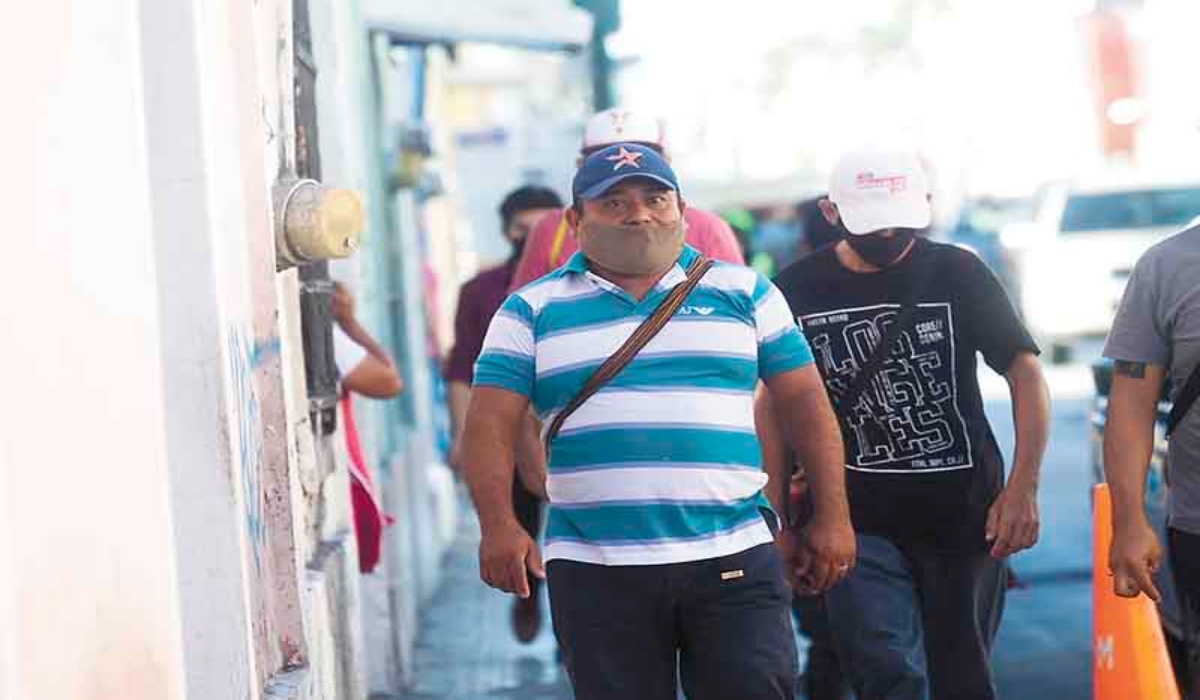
(1129, 654)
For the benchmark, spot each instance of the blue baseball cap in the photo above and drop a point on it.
(603, 169)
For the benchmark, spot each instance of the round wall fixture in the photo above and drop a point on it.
(314, 222)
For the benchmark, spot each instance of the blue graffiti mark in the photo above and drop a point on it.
(244, 358)
(264, 351)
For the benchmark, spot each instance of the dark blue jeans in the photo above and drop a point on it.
(916, 624)
(1184, 550)
(822, 678)
(624, 630)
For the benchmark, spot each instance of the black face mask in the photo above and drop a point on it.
(517, 248)
(880, 251)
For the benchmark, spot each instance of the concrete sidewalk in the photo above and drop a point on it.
(466, 649)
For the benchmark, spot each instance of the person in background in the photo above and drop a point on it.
(1156, 335)
(552, 242)
(365, 366)
(741, 222)
(815, 230)
(478, 301)
(822, 678)
(366, 370)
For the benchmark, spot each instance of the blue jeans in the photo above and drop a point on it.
(916, 624)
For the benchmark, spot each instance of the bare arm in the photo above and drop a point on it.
(365, 340)
(804, 419)
(1129, 437)
(808, 425)
(1031, 417)
(458, 395)
(1128, 448)
(492, 420)
(776, 457)
(375, 377)
(489, 437)
(531, 458)
(1013, 522)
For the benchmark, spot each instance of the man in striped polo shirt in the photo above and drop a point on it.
(659, 537)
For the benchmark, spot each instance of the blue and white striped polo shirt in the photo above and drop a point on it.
(662, 465)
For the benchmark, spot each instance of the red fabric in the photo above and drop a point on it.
(369, 518)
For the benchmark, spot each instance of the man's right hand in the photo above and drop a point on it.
(1134, 556)
(505, 553)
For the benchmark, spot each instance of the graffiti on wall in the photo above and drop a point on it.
(245, 358)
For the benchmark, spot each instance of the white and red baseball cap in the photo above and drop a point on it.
(880, 189)
(619, 125)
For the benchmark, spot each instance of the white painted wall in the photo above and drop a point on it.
(194, 86)
(161, 491)
(169, 524)
(90, 573)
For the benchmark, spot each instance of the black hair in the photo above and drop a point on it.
(526, 198)
(816, 229)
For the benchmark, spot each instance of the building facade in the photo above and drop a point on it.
(174, 511)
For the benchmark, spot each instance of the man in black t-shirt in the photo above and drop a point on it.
(925, 477)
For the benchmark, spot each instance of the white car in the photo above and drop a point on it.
(1073, 261)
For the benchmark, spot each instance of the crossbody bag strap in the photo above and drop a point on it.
(863, 377)
(622, 357)
(1183, 403)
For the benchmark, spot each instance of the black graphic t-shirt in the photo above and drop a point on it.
(922, 463)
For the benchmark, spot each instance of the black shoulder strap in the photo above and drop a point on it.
(642, 335)
(1187, 396)
(858, 383)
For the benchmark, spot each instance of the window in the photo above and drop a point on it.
(1134, 209)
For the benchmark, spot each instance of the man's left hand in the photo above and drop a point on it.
(828, 550)
(1012, 522)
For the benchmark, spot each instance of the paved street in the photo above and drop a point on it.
(1044, 646)
(466, 651)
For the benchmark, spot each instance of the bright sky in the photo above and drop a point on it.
(995, 93)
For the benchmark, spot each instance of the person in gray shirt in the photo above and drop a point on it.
(1156, 334)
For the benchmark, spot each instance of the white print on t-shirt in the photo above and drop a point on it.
(907, 419)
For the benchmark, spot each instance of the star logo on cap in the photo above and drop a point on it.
(625, 157)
